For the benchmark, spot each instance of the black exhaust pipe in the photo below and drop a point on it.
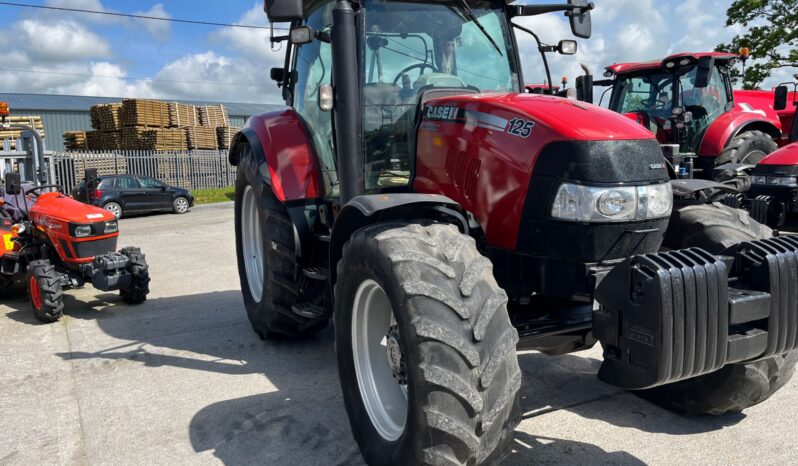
(347, 111)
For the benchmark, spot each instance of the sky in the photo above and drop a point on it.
(56, 52)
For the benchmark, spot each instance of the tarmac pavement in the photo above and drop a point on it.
(182, 379)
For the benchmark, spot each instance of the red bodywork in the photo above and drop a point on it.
(291, 160)
(786, 156)
(53, 212)
(492, 168)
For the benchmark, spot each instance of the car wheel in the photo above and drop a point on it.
(180, 205)
(114, 208)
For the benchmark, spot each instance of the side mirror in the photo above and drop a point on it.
(581, 25)
(13, 183)
(301, 35)
(277, 74)
(704, 72)
(283, 11)
(567, 47)
(780, 102)
(584, 88)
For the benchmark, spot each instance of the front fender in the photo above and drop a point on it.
(280, 138)
(367, 210)
(729, 125)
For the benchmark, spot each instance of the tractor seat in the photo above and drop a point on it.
(17, 206)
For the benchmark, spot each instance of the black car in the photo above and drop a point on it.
(122, 194)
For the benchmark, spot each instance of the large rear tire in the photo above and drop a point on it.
(749, 147)
(426, 350)
(44, 291)
(735, 387)
(267, 261)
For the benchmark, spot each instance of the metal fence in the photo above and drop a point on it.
(191, 169)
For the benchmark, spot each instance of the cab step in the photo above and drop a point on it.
(316, 273)
(308, 310)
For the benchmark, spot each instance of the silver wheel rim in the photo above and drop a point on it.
(252, 243)
(114, 209)
(181, 204)
(384, 398)
(753, 157)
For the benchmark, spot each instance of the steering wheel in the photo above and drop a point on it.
(36, 189)
(420, 66)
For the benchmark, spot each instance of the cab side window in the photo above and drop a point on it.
(313, 67)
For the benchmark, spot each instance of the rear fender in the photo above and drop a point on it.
(731, 124)
(362, 211)
(280, 139)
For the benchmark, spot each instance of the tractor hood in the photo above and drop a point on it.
(63, 208)
(561, 118)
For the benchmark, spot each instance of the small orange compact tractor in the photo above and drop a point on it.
(53, 242)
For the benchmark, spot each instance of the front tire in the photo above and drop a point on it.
(180, 205)
(735, 387)
(420, 307)
(44, 291)
(749, 147)
(267, 262)
(139, 288)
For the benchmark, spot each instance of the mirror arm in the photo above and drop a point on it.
(542, 54)
(534, 10)
(278, 39)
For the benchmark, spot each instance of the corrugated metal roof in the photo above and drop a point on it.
(78, 103)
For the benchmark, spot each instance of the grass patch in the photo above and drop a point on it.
(212, 196)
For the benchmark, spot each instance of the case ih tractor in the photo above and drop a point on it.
(687, 99)
(51, 242)
(441, 218)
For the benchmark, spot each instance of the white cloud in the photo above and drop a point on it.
(58, 42)
(158, 29)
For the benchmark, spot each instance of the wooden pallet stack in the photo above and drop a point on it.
(176, 170)
(106, 117)
(224, 136)
(14, 134)
(75, 140)
(164, 139)
(200, 137)
(182, 115)
(213, 116)
(105, 164)
(111, 140)
(93, 140)
(145, 113)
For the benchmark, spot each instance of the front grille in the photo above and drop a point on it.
(88, 249)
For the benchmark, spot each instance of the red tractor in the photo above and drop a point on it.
(442, 218)
(51, 242)
(687, 99)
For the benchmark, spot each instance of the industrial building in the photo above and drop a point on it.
(71, 113)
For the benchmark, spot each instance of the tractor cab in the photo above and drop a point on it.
(677, 98)
(408, 52)
(786, 106)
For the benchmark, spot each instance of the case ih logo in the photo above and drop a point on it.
(442, 113)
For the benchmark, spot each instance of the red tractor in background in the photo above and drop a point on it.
(442, 217)
(51, 242)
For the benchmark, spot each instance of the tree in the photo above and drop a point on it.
(771, 35)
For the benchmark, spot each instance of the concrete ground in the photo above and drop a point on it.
(182, 379)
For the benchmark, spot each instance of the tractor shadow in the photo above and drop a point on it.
(303, 420)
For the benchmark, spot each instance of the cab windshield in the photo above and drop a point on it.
(652, 98)
(411, 47)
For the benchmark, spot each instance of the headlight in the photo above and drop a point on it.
(83, 231)
(759, 180)
(776, 180)
(111, 227)
(580, 203)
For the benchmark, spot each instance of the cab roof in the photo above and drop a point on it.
(624, 68)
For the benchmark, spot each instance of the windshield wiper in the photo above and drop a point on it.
(472, 17)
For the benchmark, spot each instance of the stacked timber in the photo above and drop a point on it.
(75, 140)
(164, 139)
(14, 134)
(93, 140)
(106, 117)
(145, 113)
(182, 115)
(213, 116)
(200, 137)
(105, 164)
(111, 140)
(224, 136)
